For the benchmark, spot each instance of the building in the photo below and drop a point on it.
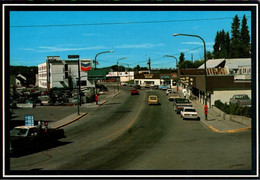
(124, 76)
(18, 80)
(163, 78)
(56, 73)
(225, 78)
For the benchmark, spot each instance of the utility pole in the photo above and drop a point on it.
(149, 64)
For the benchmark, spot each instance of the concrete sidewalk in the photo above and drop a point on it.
(216, 122)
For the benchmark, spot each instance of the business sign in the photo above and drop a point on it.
(85, 65)
(73, 56)
(97, 74)
(29, 121)
(148, 76)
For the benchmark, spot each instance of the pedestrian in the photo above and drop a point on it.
(39, 127)
(46, 127)
(96, 98)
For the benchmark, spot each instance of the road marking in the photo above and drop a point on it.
(71, 121)
(230, 131)
(120, 130)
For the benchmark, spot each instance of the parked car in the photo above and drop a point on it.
(123, 84)
(153, 99)
(173, 96)
(134, 92)
(168, 91)
(189, 113)
(241, 100)
(180, 103)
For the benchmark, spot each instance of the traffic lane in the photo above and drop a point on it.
(92, 131)
(189, 145)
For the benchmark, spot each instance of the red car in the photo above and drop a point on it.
(134, 92)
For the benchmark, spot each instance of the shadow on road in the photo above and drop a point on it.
(44, 147)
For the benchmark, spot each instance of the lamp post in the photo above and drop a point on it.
(95, 61)
(205, 68)
(176, 68)
(118, 69)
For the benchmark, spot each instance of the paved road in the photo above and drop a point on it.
(128, 134)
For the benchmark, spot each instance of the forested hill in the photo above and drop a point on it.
(28, 72)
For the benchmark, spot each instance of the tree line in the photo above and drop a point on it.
(236, 46)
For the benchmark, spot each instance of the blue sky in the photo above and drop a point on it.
(129, 35)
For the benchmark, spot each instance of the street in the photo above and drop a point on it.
(128, 134)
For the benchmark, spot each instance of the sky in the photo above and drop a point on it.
(137, 35)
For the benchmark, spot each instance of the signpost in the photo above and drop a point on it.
(29, 121)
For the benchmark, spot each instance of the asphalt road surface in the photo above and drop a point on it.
(128, 134)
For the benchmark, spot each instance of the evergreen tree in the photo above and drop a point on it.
(235, 44)
(222, 45)
(181, 58)
(245, 39)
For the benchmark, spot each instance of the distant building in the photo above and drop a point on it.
(18, 80)
(225, 78)
(60, 73)
(124, 76)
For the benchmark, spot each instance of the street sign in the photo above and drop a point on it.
(96, 74)
(73, 56)
(29, 121)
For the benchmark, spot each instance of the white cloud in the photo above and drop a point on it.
(57, 49)
(144, 46)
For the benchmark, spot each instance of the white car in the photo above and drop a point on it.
(189, 113)
(168, 91)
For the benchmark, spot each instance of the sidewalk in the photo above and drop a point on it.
(216, 122)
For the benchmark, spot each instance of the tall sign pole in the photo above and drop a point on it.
(77, 57)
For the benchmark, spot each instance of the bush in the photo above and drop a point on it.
(233, 109)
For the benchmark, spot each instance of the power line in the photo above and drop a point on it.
(118, 23)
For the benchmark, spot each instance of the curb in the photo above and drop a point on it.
(229, 131)
(77, 118)
(102, 103)
(116, 94)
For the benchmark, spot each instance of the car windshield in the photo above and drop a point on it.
(190, 110)
(242, 97)
(18, 132)
(153, 98)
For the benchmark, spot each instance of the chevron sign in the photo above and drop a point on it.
(85, 65)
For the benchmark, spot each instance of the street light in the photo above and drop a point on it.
(118, 68)
(176, 67)
(95, 61)
(205, 67)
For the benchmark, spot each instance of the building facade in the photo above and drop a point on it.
(56, 73)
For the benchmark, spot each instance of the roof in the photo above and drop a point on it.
(24, 127)
(234, 63)
(230, 63)
(212, 63)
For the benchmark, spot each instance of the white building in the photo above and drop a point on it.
(61, 73)
(124, 76)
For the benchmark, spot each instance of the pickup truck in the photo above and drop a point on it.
(241, 100)
(29, 138)
(180, 103)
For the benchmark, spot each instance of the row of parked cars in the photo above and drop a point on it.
(182, 106)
